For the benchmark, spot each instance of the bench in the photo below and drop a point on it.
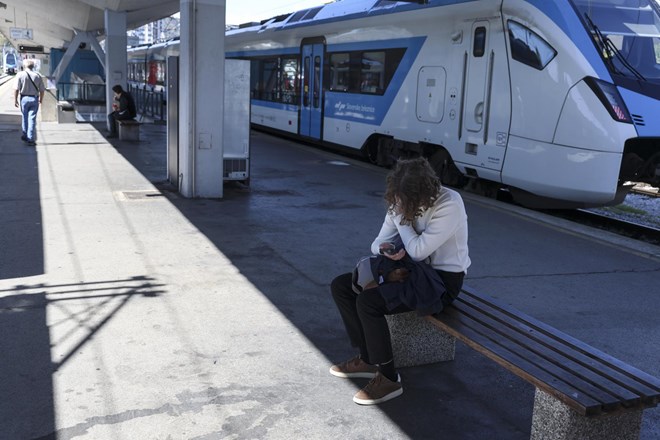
(581, 392)
(129, 130)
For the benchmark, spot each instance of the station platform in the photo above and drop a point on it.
(129, 312)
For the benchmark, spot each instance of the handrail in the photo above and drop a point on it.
(81, 92)
(149, 102)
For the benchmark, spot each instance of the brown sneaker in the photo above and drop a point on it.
(355, 367)
(380, 389)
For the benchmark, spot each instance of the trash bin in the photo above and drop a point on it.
(66, 113)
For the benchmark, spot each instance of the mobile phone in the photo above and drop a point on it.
(387, 247)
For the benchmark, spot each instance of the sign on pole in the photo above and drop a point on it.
(20, 33)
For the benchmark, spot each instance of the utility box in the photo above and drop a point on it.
(236, 136)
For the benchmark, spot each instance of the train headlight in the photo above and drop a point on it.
(611, 99)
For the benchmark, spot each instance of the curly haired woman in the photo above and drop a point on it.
(431, 222)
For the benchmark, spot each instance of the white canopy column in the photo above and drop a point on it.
(201, 102)
(115, 53)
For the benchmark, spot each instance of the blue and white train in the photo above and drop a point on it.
(557, 101)
(10, 63)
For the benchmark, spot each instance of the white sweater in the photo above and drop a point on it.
(440, 234)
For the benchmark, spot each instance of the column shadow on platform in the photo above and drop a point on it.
(21, 235)
(290, 233)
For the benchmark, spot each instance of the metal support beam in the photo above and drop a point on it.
(78, 39)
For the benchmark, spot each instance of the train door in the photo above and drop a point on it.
(486, 107)
(311, 99)
(476, 78)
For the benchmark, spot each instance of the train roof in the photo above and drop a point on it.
(332, 11)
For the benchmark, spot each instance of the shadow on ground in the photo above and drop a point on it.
(298, 225)
(21, 241)
(33, 347)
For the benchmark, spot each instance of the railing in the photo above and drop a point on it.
(81, 92)
(149, 103)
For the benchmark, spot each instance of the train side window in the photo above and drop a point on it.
(289, 80)
(255, 82)
(479, 44)
(317, 81)
(362, 72)
(339, 72)
(160, 73)
(378, 69)
(528, 47)
(306, 74)
(139, 68)
(372, 72)
(270, 73)
(264, 79)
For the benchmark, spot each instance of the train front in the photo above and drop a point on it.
(627, 36)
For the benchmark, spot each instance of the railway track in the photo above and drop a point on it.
(5, 78)
(627, 228)
(630, 219)
(646, 191)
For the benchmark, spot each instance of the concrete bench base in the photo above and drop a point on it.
(129, 130)
(415, 341)
(553, 420)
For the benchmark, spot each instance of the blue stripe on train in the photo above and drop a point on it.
(371, 109)
(356, 107)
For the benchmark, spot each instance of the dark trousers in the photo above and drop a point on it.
(113, 118)
(364, 315)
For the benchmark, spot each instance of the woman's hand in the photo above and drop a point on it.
(396, 257)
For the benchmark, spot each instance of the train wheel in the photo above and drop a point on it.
(444, 167)
(371, 150)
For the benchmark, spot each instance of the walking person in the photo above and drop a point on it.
(124, 109)
(29, 92)
(430, 222)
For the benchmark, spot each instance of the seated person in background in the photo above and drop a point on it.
(124, 109)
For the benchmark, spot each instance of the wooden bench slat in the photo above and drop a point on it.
(586, 380)
(588, 367)
(628, 376)
(450, 322)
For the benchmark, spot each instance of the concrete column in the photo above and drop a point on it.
(201, 92)
(115, 54)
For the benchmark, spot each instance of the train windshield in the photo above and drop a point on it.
(627, 33)
(11, 59)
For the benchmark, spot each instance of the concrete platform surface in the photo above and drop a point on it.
(128, 312)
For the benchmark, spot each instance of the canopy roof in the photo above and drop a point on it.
(51, 23)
